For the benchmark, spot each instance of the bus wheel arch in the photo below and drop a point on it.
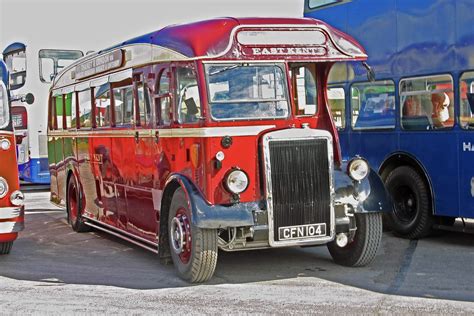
(163, 240)
(410, 188)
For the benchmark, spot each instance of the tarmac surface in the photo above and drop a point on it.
(53, 270)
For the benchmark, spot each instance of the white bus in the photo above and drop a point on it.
(31, 71)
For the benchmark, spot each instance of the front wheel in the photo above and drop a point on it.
(363, 248)
(193, 249)
(6, 247)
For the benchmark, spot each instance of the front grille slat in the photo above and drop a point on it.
(300, 182)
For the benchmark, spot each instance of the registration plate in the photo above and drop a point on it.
(302, 231)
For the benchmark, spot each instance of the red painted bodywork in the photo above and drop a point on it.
(120, 176)
(9, 171)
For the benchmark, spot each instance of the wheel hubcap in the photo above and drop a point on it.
(72, 203)
(180, 234)
(405, 204)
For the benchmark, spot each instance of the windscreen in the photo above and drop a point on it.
(243, 91)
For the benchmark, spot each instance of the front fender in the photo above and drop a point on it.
(205, 215)
(368, 195)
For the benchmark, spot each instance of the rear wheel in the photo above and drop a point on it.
(6, 247)
(193, 249)
(412, 216)
(74, 207)
(363, 248)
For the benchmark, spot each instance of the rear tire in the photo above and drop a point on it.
(412, 216)
(74, 207)
(363, 248)
(193, 249)
(6, 247)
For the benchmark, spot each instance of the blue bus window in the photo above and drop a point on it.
(427, 102)
(466, 94)
(313, 4)
(373, 105)
(337, 100)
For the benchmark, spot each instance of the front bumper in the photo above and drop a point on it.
(12, 219)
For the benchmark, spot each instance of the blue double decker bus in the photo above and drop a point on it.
(415, 122)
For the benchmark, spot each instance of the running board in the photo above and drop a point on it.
(119, 235)
(456, 228)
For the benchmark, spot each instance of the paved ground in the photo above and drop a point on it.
(53, 270)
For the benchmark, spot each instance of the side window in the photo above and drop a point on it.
(85, 108)
(59, 111)
(427, 103)
(142, 99)
(189, 103)
(163, 99)
(316, 4)
(102, 105)
(16, 64)
(373, 105)
(337, 104)
(123, 97)
(303, 79)
(466, 94)
(70, 100)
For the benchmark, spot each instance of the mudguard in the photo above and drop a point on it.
(368, 195)
(209, 216)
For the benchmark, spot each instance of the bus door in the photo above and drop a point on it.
(20, 124)
(141, 218)
(123, 145)
(102, 162)
(466, 145)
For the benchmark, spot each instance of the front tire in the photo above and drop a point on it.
(412, 216)
(6, 247)
(363, 248)
(74, 207)
(193, 249)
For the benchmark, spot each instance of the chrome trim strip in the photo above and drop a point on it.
(107, 228)
(122, 237)
(6, 133)
(10, 212)
(11, 227)
(297, 134)
(168, 132)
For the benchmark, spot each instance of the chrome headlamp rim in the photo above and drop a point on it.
(5, 144)
(17, 198)
(5, 184)
(228, 176)
(351, 168)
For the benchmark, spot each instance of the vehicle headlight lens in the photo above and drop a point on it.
(17, 198)
(236, 181)
(358, 169)
(5, 144)
(3, 187)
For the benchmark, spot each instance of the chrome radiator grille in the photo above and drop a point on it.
(300, 182)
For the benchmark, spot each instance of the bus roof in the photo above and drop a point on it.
(212, 39)
(13, 47)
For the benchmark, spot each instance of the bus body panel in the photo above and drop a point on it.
(11, 214)
(404, 39)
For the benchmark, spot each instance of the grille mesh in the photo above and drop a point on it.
(300, 182)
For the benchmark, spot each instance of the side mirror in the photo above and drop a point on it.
(370, 72)
(29, 98)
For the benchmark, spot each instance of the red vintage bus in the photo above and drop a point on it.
(213, 135)
(11, 198)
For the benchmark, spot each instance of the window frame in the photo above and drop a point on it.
(354, 85)
(465, 127)
(343, 87)
(429, 115)
(158, 97)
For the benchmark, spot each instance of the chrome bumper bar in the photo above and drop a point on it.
(11, 213)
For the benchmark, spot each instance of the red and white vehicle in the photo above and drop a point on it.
(11, 198)
(213, 135)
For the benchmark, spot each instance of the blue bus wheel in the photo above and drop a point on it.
(412, 215)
